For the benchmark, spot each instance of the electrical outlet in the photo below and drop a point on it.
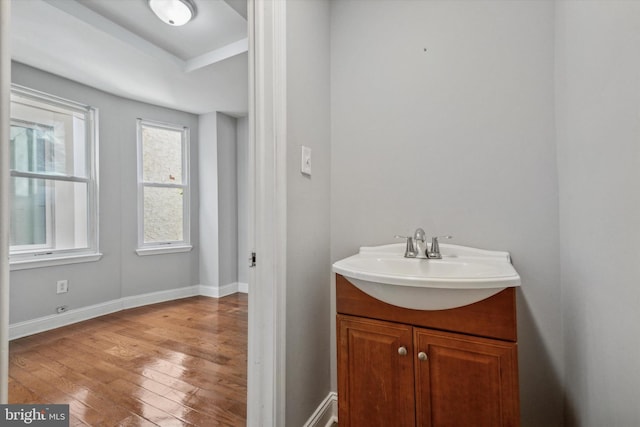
(62, 286)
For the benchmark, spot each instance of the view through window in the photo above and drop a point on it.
(163, 185)
(53, 185)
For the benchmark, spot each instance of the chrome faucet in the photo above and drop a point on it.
(416, 244)
(420, 242)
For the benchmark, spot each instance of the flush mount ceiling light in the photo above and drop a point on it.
(173, 12)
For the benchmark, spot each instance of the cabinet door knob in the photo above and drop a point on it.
(402, 351)
(422, 355)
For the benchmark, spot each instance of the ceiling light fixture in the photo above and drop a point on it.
(173, 12)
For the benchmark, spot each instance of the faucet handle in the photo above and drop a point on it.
(434, 253)
(410, 249)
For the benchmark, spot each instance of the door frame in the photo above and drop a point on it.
(5, 90)
(267, 230)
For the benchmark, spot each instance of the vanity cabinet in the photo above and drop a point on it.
(373, 376)
(402, 367)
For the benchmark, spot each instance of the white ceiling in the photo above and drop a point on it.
(215, 25)
(121, 47)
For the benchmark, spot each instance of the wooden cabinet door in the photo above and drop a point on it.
(465, 381)
(375, 381)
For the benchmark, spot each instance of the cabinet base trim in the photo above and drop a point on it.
(326, 414)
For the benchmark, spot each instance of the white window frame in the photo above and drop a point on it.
(165, 247)
(46, 257)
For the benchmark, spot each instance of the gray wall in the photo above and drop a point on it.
(308, 264)
(598, 93)
(242, 152)
(121, 272)
(208, 168)
(458, 139)
(227, 200)
(223, 160)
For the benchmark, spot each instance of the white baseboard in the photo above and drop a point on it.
(224, 290)
(46, 323)
(243, 287)
(228, 289)
(42, 324)
(209, 291)
(156, 297)
(326, 414)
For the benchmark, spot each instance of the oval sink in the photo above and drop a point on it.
(463, 276)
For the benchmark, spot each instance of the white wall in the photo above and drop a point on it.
(120, 272)
(458, 139)
(308, 265)
(598, 94)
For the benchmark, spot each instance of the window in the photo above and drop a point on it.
(53, 185)
(163, 188)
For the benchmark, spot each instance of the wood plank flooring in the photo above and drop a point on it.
(179, 363)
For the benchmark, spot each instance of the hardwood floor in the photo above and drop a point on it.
(178, 363)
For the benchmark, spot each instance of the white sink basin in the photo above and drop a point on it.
(463, 276)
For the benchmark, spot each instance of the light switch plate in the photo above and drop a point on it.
(305, 166)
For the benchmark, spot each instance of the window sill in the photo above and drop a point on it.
(159, 250)
(28, 263)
